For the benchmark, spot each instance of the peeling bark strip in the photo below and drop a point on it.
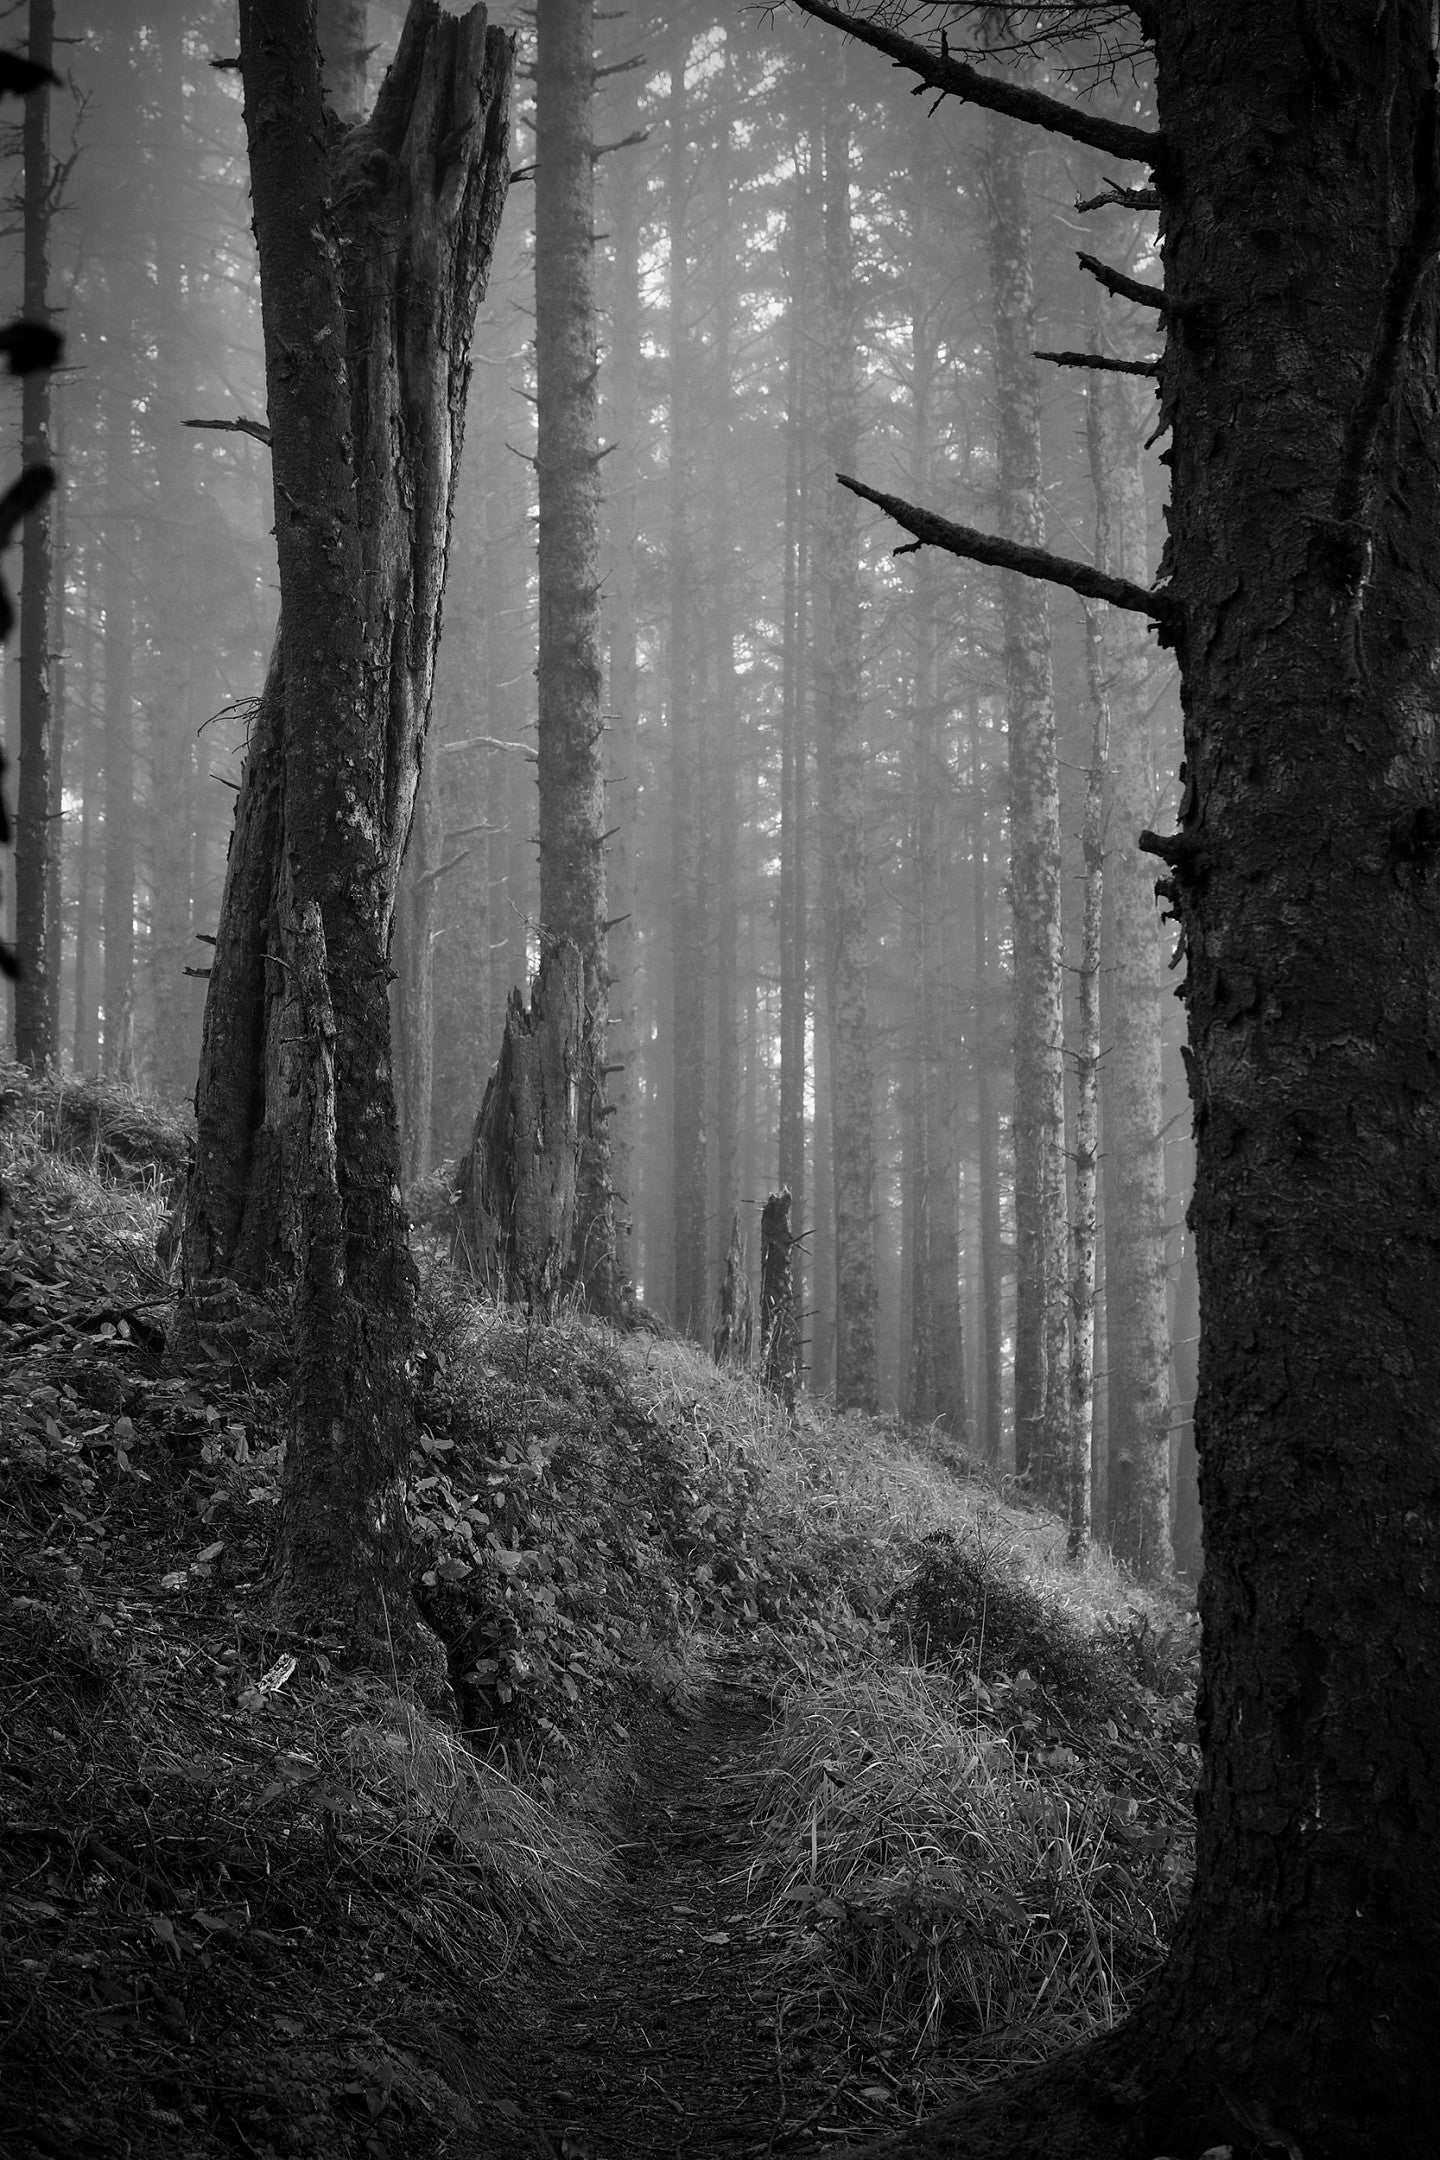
(779, 1335)
(374, 245)
(732, 1332)
(518, 1180)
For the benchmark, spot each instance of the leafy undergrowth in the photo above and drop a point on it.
(254, 1901)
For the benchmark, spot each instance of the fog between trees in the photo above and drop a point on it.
(843, 891)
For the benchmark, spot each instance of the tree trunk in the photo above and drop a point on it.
(118, 1047)
(620, 383)
(518, 1188)
(1137, 1341)
(413, 1006)
(724, 728)
(35, 1042)
(732, 1332)
(687, 1106)
(374, 245)
(1041, 1411)
(1087, 1108)
(793, 731)
(779, 1336)
(843, 901)
(990, 1415)
(572, 780)
(1296, 2010)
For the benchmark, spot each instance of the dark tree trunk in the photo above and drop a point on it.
(1296, 2011)
(518, 1187)
(779, 1335)
(35, 1041)
(1041, 1412)
(1083, 1228)
(724, 729)
(572, 781)
(374, 245)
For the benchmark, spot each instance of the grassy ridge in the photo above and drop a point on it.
(969, 1826)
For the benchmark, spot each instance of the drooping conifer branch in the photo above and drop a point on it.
(974, 546)
(1123, 287)
(956, 78)
(1101, 361)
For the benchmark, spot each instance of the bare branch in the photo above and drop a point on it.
(1098, 360)
(956, 78)
(1123, 287)
(490, 742)
(964, 540)
(1124, 198)
(242, 426)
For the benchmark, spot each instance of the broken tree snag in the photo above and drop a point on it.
(516, 1188)
(732, 1331)
(779, 1336)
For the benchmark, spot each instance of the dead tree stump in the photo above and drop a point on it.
(779, 1335)
(515, 1191)
(732, 1333)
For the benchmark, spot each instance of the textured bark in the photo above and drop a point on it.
(779, 1335)
(572, 783)
(688, 899)
(621, 389)
(1301, 210)
(1083, 1226)
(35, 1042)
(407, 309)
(85, 1042)
(732, 1330)
(1137, 1341)
(518, 1187)
(374, 247)
(1041, 1411)
(838, 673)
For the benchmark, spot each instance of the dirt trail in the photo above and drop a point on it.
(661, 2039)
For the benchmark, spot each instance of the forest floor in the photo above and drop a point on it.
(796, 1783)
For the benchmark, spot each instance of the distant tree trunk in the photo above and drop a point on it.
(572, 778)
(620, 383)
(374, 246)
(732, 1332)
(724, 729)
(518, 1188)
(793, 732)
(35, 1042)
(342, 28)
(843, 903)
(822, 1336)
(779, 1336)
(1041, 1410)
(1137, 1346)
(1087, 1111)
(688, 974)
(172, 722)
(85, 1051)
(118, 915)
(990, 1420)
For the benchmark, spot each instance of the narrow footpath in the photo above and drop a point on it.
(667, 2034)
